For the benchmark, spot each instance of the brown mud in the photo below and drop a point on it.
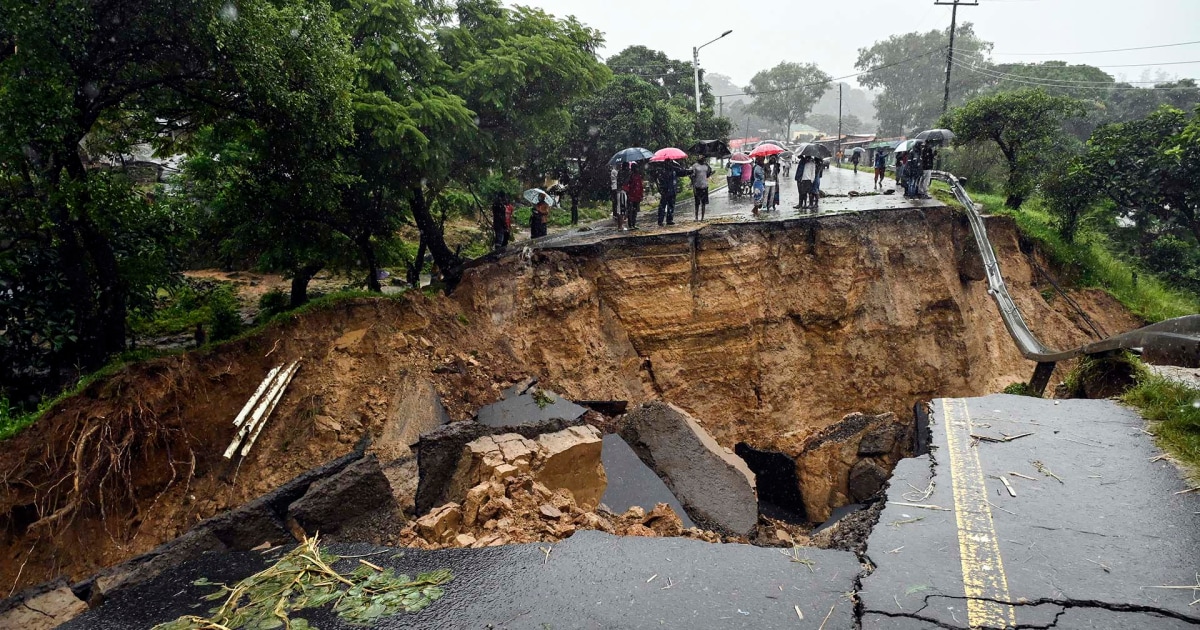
(765, 334)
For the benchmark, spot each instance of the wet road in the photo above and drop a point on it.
(1096, 524)
(591, 580)
(837, 183)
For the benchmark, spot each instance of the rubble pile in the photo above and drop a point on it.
(520, 509)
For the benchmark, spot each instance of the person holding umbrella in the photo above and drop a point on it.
(614, 175)
(815, 192)
(855, 156)
(500, 221)
(700, 173)
(928, 154)
(805, 173)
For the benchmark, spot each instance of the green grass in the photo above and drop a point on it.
(1095, 264)
(1174, 411)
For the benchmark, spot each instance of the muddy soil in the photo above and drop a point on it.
(763, 333)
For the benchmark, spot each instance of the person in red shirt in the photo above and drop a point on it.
(634, 191)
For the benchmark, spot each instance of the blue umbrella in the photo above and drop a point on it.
(633, 154)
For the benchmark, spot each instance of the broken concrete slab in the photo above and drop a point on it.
(569, 459)
(415, 408)
(333, 502)
(525, 404)
(41, 608)
(439, 453)
(825, 461)
(591, 580)
(631, 482)
(714, 485)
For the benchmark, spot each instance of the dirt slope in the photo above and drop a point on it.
(763, 332)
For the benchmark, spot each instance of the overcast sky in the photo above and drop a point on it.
(830, 32)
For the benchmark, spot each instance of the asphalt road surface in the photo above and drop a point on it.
(1101, 532)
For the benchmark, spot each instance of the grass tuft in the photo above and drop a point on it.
(1173, 410)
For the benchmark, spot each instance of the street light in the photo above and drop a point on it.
(696, 67)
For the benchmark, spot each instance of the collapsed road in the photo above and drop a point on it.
(733, 584)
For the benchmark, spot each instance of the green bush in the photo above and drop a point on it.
(272, 303)
(1174, 408)
(1020, 389)
(225, 320)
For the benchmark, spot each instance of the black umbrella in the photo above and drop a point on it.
(857, 150)
(633, 154)
(710, 149)
(813, 150)
(936, 136)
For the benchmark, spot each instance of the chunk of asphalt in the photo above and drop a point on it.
(631, 482)
(715, 486)
(521, 407)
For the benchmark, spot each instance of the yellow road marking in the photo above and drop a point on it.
(984, 580)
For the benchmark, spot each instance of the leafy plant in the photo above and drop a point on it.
(1174, 410)
(305, 578)
(1020, 389)
(542, 399)
(226, 320)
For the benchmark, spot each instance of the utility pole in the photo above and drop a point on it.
(696, 66)
(837, 155)
(950, 53)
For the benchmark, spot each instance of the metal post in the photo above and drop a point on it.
(838, 154)
(721, 107)
(950, 53)
(696, 74)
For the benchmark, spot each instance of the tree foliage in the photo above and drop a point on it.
(80, 247)
(787, 92)
(1025, 125)
(910, 70)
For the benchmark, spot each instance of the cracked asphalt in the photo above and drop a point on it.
(1094, 528)
(1096, 525)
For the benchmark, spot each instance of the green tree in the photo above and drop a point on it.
(1149, 168)
(910, 70)
(1025, 125)
(787, 92)
(115, 73)
(829, 124)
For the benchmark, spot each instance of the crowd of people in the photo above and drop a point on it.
(758, 178)
(627, 183)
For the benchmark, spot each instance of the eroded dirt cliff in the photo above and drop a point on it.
(765, 332)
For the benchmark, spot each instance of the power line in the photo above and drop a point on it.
(1007, 70)
(1094, 52)
(1122, 65)
(950, 54)
(1048, 82)
(848, 76)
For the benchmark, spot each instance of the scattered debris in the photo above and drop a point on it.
(1011, 492)
(923, 506)
(1046, 471)
(1003, 438)
(798, 613)
(827, 617)
(1017, 474)
(263, 402)
(906, 521)
(1106, 568)
(794, 556)
(304, 578)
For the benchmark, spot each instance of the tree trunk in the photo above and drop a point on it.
(300, 282)
(368, 252)
(108, 329)
(431, 232)
(417, 265)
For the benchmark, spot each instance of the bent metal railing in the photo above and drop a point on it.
(1175, 341)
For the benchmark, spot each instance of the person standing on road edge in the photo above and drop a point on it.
(804, 180)
(700, 174)
(854, 158)
(928, 154)
(815, 191)
(668, 186)
(758, 186)
(880, 165)
(539, 217)
(771, 180)
(634, 189)
(499, 222)
(614, 175)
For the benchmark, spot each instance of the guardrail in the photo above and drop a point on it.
(1175, 341)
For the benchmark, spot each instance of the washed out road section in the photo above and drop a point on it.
(1095, 528)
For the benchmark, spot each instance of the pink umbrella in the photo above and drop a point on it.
(669, 153)
(765, 149)
(740, 158)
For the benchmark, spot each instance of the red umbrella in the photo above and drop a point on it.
(740, 158)
(669, 153)
(765, 149)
